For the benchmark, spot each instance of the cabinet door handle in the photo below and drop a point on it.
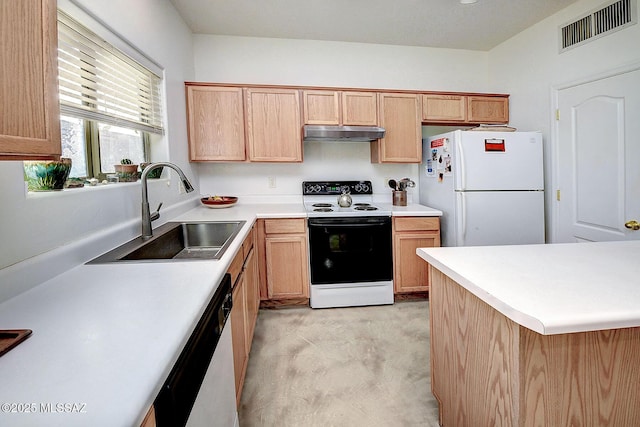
(632, 225)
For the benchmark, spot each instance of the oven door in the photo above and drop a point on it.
(350, 249)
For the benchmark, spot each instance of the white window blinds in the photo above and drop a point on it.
(99, 82)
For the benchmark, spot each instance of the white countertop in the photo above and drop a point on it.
(106, 336)
(554, 288)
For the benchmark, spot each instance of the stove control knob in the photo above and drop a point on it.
(361, 187)
(312, 188)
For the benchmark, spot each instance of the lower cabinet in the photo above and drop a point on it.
(238, 336)
(285, 259)
(411, 273)
(244, 313)
(149, 419)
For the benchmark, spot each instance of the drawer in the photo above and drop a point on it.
(285, 226)
(416, 223)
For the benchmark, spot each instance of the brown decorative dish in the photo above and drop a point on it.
(10, 338)
(217, 202)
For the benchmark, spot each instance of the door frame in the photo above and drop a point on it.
(554, 212)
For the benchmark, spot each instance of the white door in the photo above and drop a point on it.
(599, 160)
(498, 161)
(498, 218)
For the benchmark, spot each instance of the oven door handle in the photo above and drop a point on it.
(350, 225)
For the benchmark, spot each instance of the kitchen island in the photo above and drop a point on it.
(536, 335)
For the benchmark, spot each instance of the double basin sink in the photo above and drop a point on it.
(178, 241)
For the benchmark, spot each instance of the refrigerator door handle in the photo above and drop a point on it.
(461, 166)
(462, 223)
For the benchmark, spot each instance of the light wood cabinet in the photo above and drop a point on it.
(273, 125)
(400, 115)
(351, 108)
(410, 272)
(244, 313)
(461, 109)
(444, 108)
(321, 107)
(487, 109)
(286, 260)
(231, 123)
(30, 114)
(482, 360)
(149, 419)
(238, 335)
(252, 295)
(215, 118)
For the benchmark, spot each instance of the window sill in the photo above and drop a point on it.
(91, 188)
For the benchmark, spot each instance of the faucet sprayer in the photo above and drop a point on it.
(147, 216)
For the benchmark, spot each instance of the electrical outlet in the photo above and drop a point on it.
(272, 182)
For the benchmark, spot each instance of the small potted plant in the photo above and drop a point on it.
(127, 171)
(46, 175)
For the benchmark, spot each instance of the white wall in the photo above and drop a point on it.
(248, 60)
(529, 66)
(32, 224)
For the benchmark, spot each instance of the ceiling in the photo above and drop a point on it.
(429, 23)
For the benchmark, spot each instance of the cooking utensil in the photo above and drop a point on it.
(409, 182)
(393, 184)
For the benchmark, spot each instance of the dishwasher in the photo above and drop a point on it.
(200, 390)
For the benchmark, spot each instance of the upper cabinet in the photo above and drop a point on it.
(325, 107)
(215, 118)
(30, 118)
(400, 115)
(461, 109)
(249, 123)
(487, 109)
(444, 108)
(273, 125)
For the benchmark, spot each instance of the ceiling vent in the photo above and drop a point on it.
(605, 20)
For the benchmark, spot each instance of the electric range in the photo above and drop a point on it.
(350, 248)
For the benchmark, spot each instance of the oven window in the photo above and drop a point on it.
(349, 242)
(345, 254)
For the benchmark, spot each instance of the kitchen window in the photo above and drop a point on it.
(110, 103)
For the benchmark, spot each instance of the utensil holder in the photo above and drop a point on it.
(399, 197)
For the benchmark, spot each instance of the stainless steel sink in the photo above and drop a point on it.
(177, 241)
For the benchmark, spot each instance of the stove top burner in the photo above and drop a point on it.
(361, 204)
(321, 205)
(323, 209)
(365, 208)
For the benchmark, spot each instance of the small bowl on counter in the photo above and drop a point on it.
(218, 202)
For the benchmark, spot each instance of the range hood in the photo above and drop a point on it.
(342, 133)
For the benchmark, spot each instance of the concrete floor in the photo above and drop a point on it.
(358, 366)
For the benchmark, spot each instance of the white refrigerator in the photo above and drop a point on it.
(489, 186)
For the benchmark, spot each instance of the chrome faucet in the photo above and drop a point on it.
(147, 216)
